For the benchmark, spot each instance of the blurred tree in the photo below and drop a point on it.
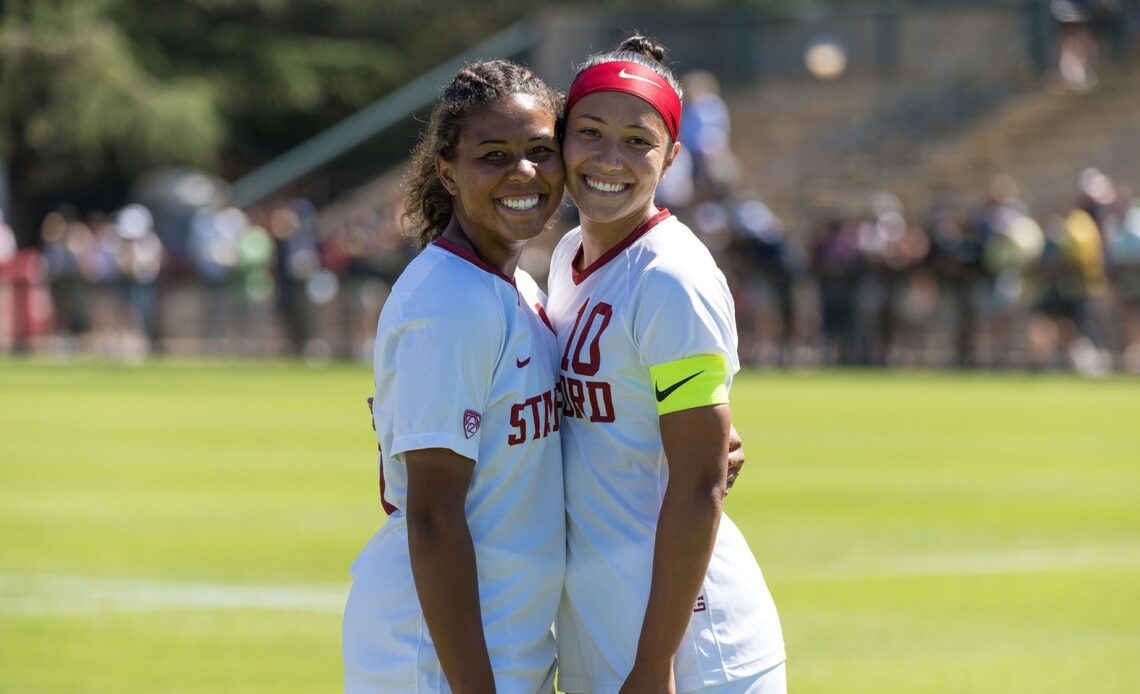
(93, 92)
(77, 108)
(285, 70)
(772, 6)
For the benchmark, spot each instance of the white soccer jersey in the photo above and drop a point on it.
(464, 360)
(655, 298)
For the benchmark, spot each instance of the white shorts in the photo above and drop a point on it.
(774, 680)
(386, 645)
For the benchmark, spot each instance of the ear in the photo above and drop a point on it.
(670, 155)
(443, 169)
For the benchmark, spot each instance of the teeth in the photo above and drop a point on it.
(605, 187)
(520, 204)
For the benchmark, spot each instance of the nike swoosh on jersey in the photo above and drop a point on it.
(626, 75)
(521, 362)
(662, 394)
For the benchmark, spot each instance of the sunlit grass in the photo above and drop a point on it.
(920, 533)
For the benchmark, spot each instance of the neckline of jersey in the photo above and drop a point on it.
(642, 229)
(466, 254)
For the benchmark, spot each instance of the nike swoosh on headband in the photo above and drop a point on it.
(628, 76)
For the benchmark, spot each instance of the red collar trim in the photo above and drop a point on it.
(470, 257)
(643, 229)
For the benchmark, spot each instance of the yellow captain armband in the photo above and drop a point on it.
(690, 382)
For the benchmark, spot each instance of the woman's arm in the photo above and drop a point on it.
(696, 447)
(443, 566)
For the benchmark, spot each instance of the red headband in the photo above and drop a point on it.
(631, 78)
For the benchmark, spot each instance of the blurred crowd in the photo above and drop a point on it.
(259, 282)
(986, 283)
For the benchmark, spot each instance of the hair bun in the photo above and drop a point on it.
(645, 46)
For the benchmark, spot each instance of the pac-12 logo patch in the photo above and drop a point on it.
(471, 422)
(701, 605)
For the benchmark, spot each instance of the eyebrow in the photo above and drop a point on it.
(533, 138)
(603, 121)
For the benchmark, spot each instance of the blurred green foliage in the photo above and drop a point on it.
(93, 92)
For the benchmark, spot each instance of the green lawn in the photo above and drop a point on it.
(188, 528)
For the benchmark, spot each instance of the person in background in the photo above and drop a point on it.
(956, 259)
(67, 245)
(838, 267)
(1124, 252)
(1078, 50)
(704, 135)
(298, 260)
(140, 256)
(8, 280)
(214, 241)
(7, 240)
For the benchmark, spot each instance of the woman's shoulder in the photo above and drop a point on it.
(569, 243)
(677, 242)
(528, 288)
(674, 255)
(439, 284)
(562, 258)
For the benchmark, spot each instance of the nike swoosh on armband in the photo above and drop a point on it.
(662, 394)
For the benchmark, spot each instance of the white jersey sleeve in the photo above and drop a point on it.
(443, 357)
(682, 311)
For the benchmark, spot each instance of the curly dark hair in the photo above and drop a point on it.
(641, 50)
(480, 84)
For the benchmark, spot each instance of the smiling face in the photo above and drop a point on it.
(506, 176)
(616, 151)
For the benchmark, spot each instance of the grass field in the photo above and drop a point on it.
(188, 528)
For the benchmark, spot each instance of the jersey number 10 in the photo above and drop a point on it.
(581, 398)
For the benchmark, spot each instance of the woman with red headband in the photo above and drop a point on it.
(662, 593)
